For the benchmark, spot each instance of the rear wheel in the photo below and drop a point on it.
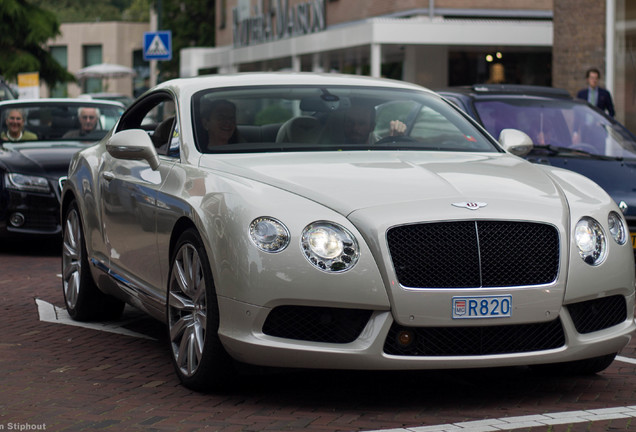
(198, 356)
(84, 301)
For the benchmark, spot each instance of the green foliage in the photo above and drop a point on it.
(28, 24)
(192, 24)
(105, 10)
(272, 114)
(25, 30)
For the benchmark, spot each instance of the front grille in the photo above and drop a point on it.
(474, 341)
(598, 314)
(317, 324)
(474, 254)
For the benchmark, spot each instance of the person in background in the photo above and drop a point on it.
(15, 128)
(88, 118)
(595, 94)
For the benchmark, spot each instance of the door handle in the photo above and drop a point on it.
(108, 176)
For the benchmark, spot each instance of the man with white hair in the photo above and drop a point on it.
(88, 118)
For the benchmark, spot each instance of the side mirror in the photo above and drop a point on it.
(133, 144)
(515, 141)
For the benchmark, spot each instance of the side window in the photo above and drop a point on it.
(156, 114)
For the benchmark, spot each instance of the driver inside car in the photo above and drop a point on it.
(88, 118)
(359, 123)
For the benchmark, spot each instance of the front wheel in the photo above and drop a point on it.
(199, 358)
(84, 301)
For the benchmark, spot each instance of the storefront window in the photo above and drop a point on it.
(625, 63)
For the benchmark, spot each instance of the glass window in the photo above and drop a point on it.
(624, 63)
(307, 118)
(60, 54)
(52, 121)
(92, 56)
(562, 124)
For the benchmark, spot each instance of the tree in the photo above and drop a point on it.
(25, 30)
(192, 23)
(104, 10)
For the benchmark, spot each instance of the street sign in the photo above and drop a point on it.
(158, 45)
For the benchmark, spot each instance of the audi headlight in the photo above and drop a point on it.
(27, 183)
(590, 241)
(617, 228)
(329, 247)
(269, 234)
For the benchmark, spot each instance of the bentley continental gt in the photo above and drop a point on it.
(341, 222)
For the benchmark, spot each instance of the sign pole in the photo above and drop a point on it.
(153, 63)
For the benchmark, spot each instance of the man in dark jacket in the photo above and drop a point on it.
(596, 95)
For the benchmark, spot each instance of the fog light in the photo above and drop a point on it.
(405, 338)
(17, 220)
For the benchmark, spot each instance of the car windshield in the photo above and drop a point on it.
(320, 118)
(563, 124)
(33, 121)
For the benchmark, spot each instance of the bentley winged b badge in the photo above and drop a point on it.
(471, 205)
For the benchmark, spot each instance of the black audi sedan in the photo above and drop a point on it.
(38, 138)
(564, 132)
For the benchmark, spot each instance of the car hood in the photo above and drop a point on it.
(353, 181)
(39, 158)
(617, 177)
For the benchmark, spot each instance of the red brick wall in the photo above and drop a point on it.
(579, 42)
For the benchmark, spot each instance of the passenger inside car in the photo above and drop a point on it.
(15, 120)
(218, 118)
(89, 121)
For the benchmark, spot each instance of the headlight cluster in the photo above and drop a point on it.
(26, 183)
(326, 245)
(329, 247)
(590, 238)
(269, 235)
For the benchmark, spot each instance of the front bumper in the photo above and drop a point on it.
(30, 213)
(581, 330)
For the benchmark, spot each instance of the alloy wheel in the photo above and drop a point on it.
(187, 309)
(72, 258)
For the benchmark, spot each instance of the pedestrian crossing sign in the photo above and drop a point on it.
(158, 45)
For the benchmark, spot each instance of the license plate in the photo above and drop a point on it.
(498, 306)
(633, 240)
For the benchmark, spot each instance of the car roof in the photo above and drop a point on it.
(478, 90)
(248, 79)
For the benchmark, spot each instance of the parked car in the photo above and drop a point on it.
(33, 169)
(565, 132)
(6, 93)
(293, 246)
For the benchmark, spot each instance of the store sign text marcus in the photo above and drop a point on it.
(280, 21)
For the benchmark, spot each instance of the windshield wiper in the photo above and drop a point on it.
(554, 150)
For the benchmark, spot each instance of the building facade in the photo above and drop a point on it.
(430, 42)
(434, 43)
(86, 44)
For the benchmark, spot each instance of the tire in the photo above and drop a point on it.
(84, 301)
(199, 359)
(589, 366)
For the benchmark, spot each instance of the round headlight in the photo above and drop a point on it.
(329, 247)
(617, 228)
(269, 235)
(590, 241)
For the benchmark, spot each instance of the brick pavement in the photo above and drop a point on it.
(64, 378)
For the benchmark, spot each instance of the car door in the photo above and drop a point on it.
(129, 190)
